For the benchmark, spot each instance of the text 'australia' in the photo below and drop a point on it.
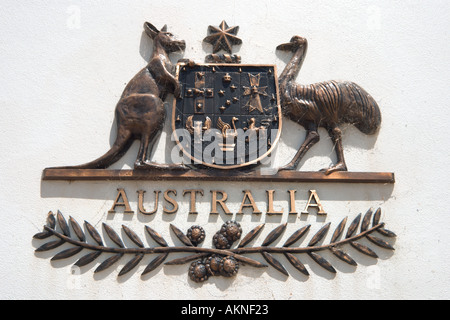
(218, 202)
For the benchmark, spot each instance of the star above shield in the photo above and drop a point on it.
(223, 37)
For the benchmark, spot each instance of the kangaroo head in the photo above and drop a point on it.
(163, 38)
(295, 43)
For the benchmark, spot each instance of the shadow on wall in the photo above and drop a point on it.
(104, 190)
(293, 136)
(351, 136)
(146, 47)
(146, 50)
(157, 155)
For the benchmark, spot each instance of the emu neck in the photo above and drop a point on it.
(292, 69)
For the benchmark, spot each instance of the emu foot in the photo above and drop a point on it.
(336, 168)
(288, 167)
(147, 165)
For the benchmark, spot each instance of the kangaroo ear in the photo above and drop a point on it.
(164, 29)
(151, 30)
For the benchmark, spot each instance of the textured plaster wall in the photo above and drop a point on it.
(64, 64)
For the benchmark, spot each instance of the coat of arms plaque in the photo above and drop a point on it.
(226, 116)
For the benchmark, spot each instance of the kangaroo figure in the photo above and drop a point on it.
(140, 112)
(325, 104)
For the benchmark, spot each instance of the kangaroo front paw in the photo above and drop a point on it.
(189, 62)
(177, 91)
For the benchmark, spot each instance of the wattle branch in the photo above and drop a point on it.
(212, 261)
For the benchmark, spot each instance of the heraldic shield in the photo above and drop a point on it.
(228, 116)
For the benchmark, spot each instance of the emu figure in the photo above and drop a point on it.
(326, 104)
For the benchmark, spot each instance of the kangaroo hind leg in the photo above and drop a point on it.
(143, 162)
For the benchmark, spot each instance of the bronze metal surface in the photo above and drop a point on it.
(223, 37)
(227, 97)
(214, 175)
(225, 258)
(222, 58)
(242, 97)
(327, 104)
(140, 112)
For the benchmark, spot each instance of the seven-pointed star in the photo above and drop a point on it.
(223, 37)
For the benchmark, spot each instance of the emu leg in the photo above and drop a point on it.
(336, 135)
(311, 139)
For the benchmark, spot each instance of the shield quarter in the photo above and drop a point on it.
(228, 115)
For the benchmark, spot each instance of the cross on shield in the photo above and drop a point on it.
(199, 93)
(254, 91)
(228, 115)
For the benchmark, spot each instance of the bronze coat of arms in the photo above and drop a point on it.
(226, 115)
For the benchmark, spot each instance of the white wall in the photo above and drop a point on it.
(64, 65)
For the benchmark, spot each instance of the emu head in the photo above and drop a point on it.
(165, 39)
(295, 43)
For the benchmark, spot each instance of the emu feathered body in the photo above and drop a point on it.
(333, 102)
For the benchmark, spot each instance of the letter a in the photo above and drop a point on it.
(248, 196)
(318, 204)
(125, 202)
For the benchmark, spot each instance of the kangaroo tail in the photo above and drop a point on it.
(121, 145)
(364, 114)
